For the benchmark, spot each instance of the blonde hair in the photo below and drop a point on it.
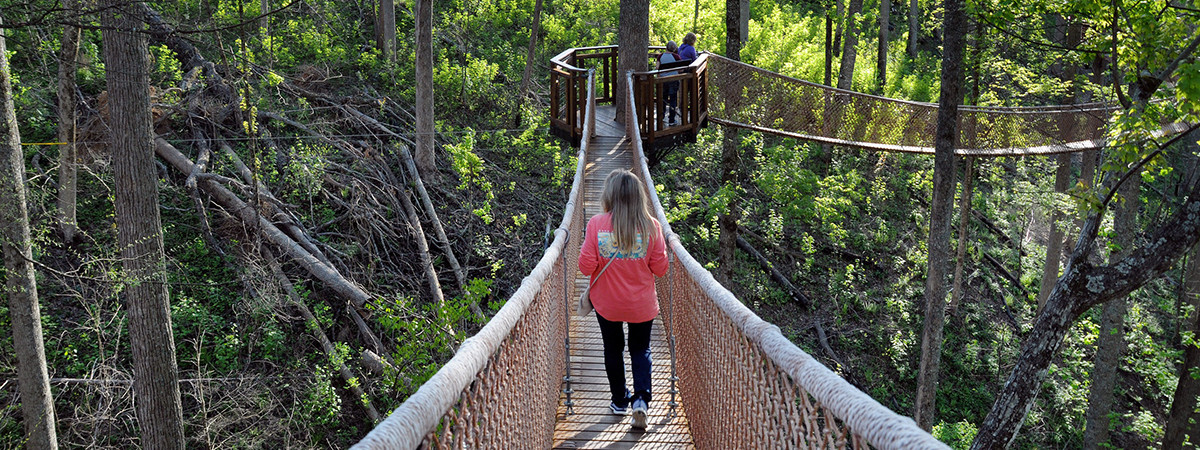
(625, 197)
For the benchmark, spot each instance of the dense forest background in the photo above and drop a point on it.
(271, 355)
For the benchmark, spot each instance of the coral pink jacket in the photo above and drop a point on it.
(625, 292)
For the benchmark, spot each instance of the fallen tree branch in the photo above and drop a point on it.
(775, 274)
(1004, 272)
(345, 288)
(310, 322)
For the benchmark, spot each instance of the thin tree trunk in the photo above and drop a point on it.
(532, 52)
(849, 51)
(1111, 342)
(839, 16)
(1062, 177)
(386, 23)
(885, 12)
(633, 43)
(1183, 405)
(424, 73)
(943, 198)
(67, 159)
(828, 44)
(730, 158)
(139, 230)
(914, 27)
(964, 218)
(37, 405)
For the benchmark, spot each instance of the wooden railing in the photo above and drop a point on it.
(567, 94)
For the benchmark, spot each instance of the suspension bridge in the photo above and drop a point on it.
(533, 377)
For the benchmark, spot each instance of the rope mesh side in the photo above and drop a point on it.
(744, 384)
(774, 103)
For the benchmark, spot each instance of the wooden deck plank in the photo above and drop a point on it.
(592, 424)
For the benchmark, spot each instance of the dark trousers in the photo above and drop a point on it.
(614, 360)
(671, 99)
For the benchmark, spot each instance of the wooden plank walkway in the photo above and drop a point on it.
(592, 425)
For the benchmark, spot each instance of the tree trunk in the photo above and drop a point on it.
(1183, 405)
(964, 218)
(1082, 286)
(838, 15)
(386, 29)
(424, 72)
(1062, 177)
(943, 198)
(37, 405)
(67, 67)
(828, 44)
(264, 7)
(532, 52)
(139, 230)
(846, 71)
(885, 12)
(633, 43)
(914, 27)
(1111, 343)
(730, 158)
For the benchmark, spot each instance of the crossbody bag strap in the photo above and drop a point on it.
(610, 261)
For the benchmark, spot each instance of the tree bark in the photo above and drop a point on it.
(532, 51)
(67, 159)
(849, 52)
(964, 218)
(139, 230)
(1183, 405)
(943, 198)
(424, 73)
(37, 405)
(1111, 341)
(1082, 286)
(730, 158)
(633, 43)
(914, 27)
(885, 12)
(386, 23)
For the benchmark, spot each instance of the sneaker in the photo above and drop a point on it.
(618, 410)
(639, 414)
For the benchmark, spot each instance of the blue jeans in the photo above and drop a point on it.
(614, 360)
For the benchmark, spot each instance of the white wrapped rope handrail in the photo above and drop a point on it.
(865, 416)
(409, 424)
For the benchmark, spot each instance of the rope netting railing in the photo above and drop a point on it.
(743, 383)
(501, 389)
(750, 97)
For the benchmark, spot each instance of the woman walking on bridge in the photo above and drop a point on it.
(624, 292)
